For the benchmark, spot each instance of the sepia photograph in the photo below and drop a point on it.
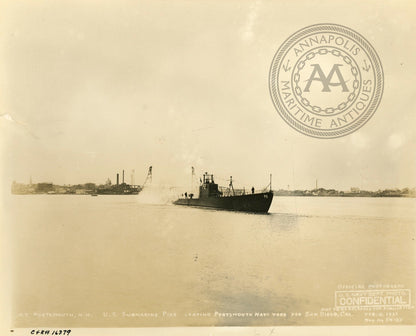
(207, 167)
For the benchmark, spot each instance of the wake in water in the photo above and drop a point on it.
(154, 194)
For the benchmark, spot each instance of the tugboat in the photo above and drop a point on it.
(210, 196)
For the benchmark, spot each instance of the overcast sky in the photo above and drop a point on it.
(88, 88)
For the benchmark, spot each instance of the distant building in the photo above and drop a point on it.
(19, 188)
(355, 190)
(44, 187)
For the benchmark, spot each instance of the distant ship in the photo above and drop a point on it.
(210, 196)
(123, 188)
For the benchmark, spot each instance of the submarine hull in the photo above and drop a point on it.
(259, 202)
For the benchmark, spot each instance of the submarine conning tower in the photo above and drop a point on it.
(208, 188)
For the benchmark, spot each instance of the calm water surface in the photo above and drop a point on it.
(109, 256)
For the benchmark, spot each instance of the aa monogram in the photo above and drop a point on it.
(326, 81)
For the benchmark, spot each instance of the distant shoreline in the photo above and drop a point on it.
(349, 196)
(355, 192)
(127, 189)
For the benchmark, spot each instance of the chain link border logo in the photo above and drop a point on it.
(278, 66)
